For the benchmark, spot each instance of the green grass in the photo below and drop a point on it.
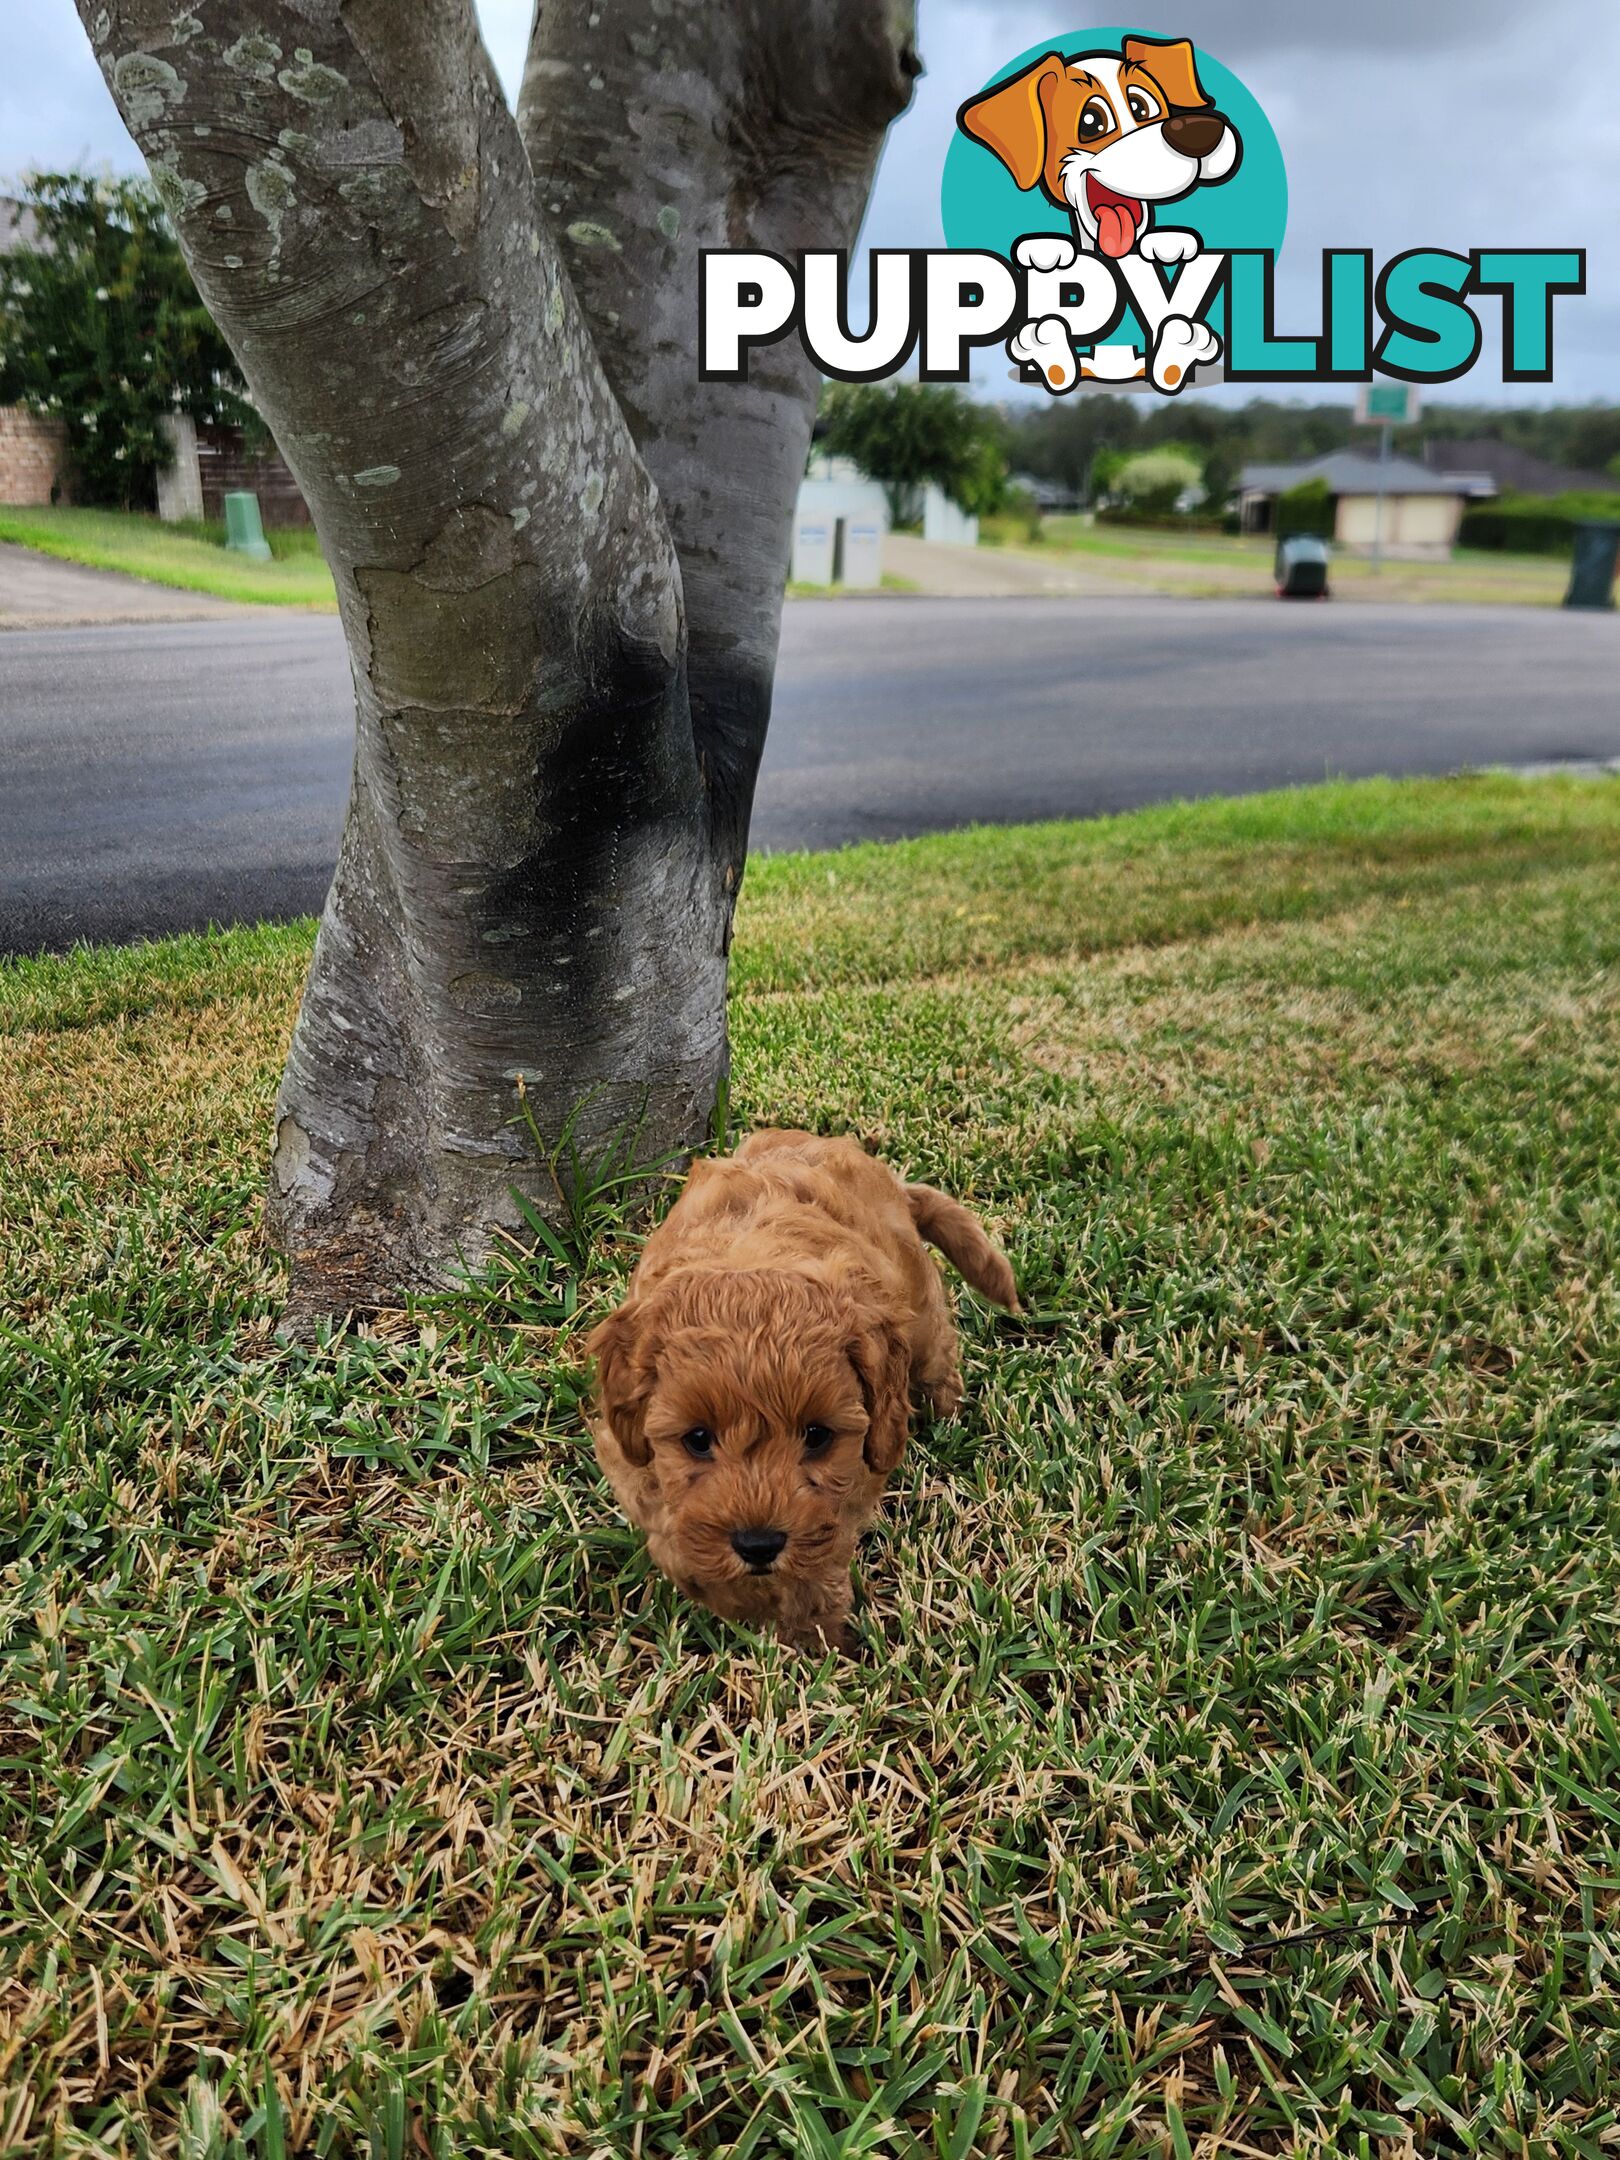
(889, 583)
(1212, 563)
(190, 555)
(1077, 535)
(1235, 1766)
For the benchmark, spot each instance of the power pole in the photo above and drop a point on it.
(1386, 406)
(1378, 500)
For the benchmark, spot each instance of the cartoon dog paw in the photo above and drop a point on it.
(1046, 251)
(1179, 348)
(1045, 345)
(1168, 246)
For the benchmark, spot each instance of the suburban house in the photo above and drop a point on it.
(209, 462)
(1511, 471)
(1051, 497)
(1421, 508)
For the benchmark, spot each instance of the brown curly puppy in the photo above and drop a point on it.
(754, 1390)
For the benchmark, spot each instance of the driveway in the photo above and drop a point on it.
(37, 592)
(163, 776)
(987, 573)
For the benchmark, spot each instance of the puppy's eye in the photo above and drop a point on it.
(1096, 119)
(699, 1441)
(817, 1439)
(1142, 106)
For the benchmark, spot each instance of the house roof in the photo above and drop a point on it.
(1047, 493)
(1347, 472)
(1512, 468)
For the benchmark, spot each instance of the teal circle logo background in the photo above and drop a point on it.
(982, 206)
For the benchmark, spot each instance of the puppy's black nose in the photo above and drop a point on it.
(1194, 134)
(758, 1547)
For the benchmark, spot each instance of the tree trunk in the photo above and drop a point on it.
(559, 556)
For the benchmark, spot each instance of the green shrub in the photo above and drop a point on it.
(1526, 530)
(1152, 481)
(1308, 508)
(102, 328)
(1179, 521)
(1533, 524)
(906, 434)
(1019, 518)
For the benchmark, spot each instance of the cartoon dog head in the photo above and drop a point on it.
(1108, 135)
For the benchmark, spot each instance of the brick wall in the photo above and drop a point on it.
(33, 458)
(225, 469)
(33, 454)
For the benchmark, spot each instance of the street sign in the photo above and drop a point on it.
(1387, 404)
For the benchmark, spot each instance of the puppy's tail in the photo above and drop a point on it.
(961, 1238)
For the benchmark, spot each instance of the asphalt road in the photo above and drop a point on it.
(157, 777)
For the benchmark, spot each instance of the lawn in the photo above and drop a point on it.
(190, 555)
(890, 583)
(1234, 1766)
(193, 556)
(1209, 564)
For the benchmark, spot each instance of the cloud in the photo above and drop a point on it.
(55, 112)
(1229, 28)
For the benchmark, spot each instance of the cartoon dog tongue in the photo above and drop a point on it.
(1118, 217)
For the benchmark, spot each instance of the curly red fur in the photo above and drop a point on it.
(787, 1290)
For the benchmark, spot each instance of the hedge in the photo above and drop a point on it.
(1533, 524)
(1181, 521)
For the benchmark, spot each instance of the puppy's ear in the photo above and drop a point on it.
(882, 1361)
(1011, 118)
(623, 1348)
(1170, 62)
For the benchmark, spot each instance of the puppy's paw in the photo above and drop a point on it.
(815, 1639)
(1179, 348)
(1045, 251)
(823, 1622)
(1169, 246)
(944, 1397)
(1044, 345)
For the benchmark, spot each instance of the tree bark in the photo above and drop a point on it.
(754, 125)
(559, 557)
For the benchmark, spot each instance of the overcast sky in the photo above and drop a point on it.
(1403, 123)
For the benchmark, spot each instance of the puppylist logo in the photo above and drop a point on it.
(1114, 204)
